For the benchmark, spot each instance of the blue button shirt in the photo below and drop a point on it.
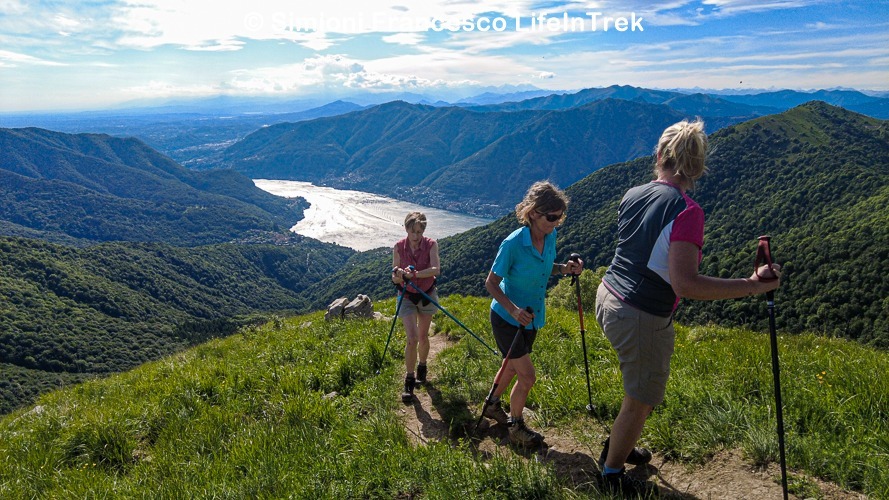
(525, 273)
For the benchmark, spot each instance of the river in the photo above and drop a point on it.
(363, 221)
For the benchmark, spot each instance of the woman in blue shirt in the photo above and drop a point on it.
(518, 279)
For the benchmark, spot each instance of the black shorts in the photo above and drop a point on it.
(505, 332)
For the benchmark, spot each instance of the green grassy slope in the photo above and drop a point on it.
(293, 408)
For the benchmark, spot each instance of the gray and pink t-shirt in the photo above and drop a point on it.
(650, 217)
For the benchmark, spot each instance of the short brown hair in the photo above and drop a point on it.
(544, 197)
(415, 218)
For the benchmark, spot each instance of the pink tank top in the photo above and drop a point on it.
(419, 259)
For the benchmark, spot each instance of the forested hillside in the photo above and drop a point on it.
(563, 146)
(470, 161)
(74, 312)
(88, 187)
(816, 178)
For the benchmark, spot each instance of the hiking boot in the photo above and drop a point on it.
(494, 411)
(520, 434)
(629, 487)
(637, 456)
(421, 373)
(408, 395)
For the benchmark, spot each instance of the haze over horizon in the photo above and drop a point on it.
(78, 56)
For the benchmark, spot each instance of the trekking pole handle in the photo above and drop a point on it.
(575, 257)
(404, 277)
(530, 311)
(764, 256)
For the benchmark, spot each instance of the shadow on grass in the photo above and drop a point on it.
(579, 470)
(457, 424)
(667, 490)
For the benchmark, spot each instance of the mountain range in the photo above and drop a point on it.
(460, 159)
(91, 187)
(195, 132)
(690, 104)
(877, 107)
(454, 158)
(703, 103)
(191, 136)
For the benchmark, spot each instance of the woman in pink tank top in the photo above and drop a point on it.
(416, 258)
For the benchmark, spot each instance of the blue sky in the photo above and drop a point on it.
(67, 55)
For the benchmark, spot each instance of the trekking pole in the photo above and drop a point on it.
(764, 256)
(392, 328)
(502, 369)
(575, 280)
(408, 282)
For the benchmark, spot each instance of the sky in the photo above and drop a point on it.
(97, 54)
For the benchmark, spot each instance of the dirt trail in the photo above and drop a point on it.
(726, 476)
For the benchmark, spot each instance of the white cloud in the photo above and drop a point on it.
(315, 41)
(733, 7)
(151, 23)
(444, 65)
(12, 7)
(14, 59)
(218, 46)
(338, 72)
(478, 43)
(201, 47)
(196, 23)
(404, 38)
(818, 26)
(315, 72)
(205, 25)
(694, 12)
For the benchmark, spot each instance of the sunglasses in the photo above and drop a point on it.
(552, 217)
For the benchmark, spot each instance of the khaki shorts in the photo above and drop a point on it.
(644, 345)
(408, 307)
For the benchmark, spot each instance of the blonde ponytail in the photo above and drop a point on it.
(682, 149)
